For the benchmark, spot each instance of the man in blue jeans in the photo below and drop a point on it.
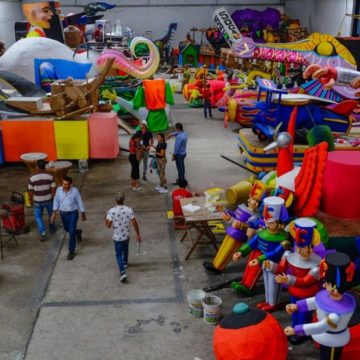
(41, 192)
(68, 201)
(119, 218)
(179, 152)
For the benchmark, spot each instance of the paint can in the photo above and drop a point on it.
(212, 309)
(195, 297)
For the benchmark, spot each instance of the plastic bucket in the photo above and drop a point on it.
(195, 297)
(238, 193)
(212, 309)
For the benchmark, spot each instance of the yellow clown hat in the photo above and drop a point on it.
(304, 232)
(258, 191)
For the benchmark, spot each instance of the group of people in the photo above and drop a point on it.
(140, 145)
(66, 199)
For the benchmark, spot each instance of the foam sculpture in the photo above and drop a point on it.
(249, 334)
(72, 139)
(28, 135)
(341, 190)
(103, 135)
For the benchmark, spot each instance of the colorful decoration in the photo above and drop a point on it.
(249, 334)
(267, 244)
(123, 63)
(299, 269)
(244, 222)
(334, 308)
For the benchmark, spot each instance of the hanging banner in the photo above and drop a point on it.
(226, 25)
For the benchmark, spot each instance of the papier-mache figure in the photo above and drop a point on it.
(39, 14)
(299, 270)
(268, 244)
(244, 222)
(334, 308)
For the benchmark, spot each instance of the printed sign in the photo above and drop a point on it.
(226, 25)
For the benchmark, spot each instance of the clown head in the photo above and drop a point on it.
(274, 212)
(305, 235)
(38, 13)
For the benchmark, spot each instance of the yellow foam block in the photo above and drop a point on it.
(72, 139)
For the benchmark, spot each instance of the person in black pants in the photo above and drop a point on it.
(134, 149)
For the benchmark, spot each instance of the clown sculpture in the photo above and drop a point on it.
(299, 270)
(334, 308)
(244, 222)
(39, 15)
(268, 244)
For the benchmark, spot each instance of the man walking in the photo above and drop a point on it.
(207, 94)
(41, 192)
(147, 140)
(179, 153)
(119, 218)
(68, 201)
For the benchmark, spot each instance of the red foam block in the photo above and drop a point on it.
(103, 135)
(341, 188)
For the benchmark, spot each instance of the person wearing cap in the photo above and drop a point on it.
(39, 15)
(120, 217)
(147, 139)
(244, 223)
(334, 308)
(299, 269)
(42, 189)
(268, 244)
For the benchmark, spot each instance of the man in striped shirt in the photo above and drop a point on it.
(42, 190)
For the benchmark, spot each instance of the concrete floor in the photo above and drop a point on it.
(55, 309)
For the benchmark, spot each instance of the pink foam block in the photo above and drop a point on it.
(341, 189)
(103, 135)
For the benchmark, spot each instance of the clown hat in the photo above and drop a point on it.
(258, 191)
(274, 209)
(304, 232)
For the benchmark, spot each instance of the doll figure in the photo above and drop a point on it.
(268, 244)
(244, 222)
(334, 308)
(299, 269)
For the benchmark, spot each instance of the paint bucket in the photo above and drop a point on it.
(212, 309)
(238, 193)
(195, 297)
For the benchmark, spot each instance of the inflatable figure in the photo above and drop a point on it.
(334, 308)
(244, 221)
(299, 270)
(268, 244)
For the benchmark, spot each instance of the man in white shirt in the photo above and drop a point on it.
(119, 218)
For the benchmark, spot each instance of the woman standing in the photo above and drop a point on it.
(161, 163)
(134, 148)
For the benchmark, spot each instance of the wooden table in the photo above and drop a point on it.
(199, 220)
